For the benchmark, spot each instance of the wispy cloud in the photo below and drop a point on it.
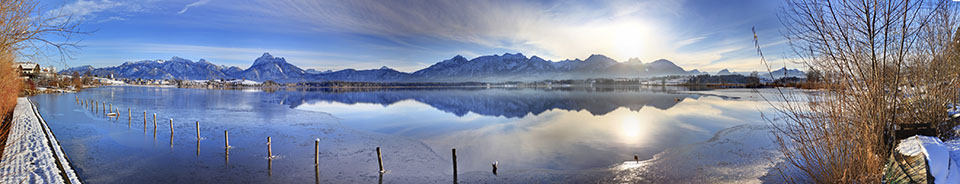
(83, 10)
(122, 51)
(112, 19)
(553, 30)
(191, 5)
(412, 34)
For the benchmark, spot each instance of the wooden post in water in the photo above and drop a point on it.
(454, 165)
(111, 108)
(130, 114)
(316, 152)
(118, 114)
(171, 126)
(154, 122)
(380, 160)
(198, 130)
(144, 120)
(226, 140)
(226, 148)
(269, 149)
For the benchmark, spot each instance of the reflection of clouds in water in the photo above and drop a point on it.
(524, 128)
(581, 140)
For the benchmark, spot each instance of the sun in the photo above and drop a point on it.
(632, 38)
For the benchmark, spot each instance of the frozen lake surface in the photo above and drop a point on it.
(537, 135)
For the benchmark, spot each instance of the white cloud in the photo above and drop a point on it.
(564, 30)
(82, 10)
(194, 4)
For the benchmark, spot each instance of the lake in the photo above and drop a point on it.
(534, 134)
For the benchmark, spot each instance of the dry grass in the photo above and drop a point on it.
(9, 88)
(884, 63)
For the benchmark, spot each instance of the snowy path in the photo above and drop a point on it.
(28, 157)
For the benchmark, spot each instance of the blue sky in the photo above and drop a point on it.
(409, 35)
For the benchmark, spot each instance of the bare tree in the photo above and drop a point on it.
(883, 63)
(28, 33)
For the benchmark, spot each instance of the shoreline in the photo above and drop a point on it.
(32, 153)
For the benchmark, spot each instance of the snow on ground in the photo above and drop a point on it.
(244, 82)
(28, 157)
(942, 158)
(954, 111)
(111, 81)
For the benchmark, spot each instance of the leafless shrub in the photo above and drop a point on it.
(29, 34)
(882, 64)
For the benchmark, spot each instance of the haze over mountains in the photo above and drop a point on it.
(490, 68)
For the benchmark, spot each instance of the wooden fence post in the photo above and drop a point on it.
(316, 152)
(269, 149)
(454, 165)
(380, 160)
(226, 139)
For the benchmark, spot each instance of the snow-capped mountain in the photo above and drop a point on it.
(594, 63)
(724, 72)
(696, 72)
(175, 68)
(314, 71)
(516, 67)
(232, 71)
(663, 67)
(490, 68)
(508, 66)
(267, 67)
(383, 74)
(784, 72)
(80, 70)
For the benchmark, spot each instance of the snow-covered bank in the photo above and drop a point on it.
(32, 154)
(942, 157)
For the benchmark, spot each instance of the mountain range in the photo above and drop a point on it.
(490, 68)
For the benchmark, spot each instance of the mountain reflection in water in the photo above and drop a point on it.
(506, 102)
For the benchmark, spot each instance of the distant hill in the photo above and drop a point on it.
(489, 68)
(724, 72)
(784, 72)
